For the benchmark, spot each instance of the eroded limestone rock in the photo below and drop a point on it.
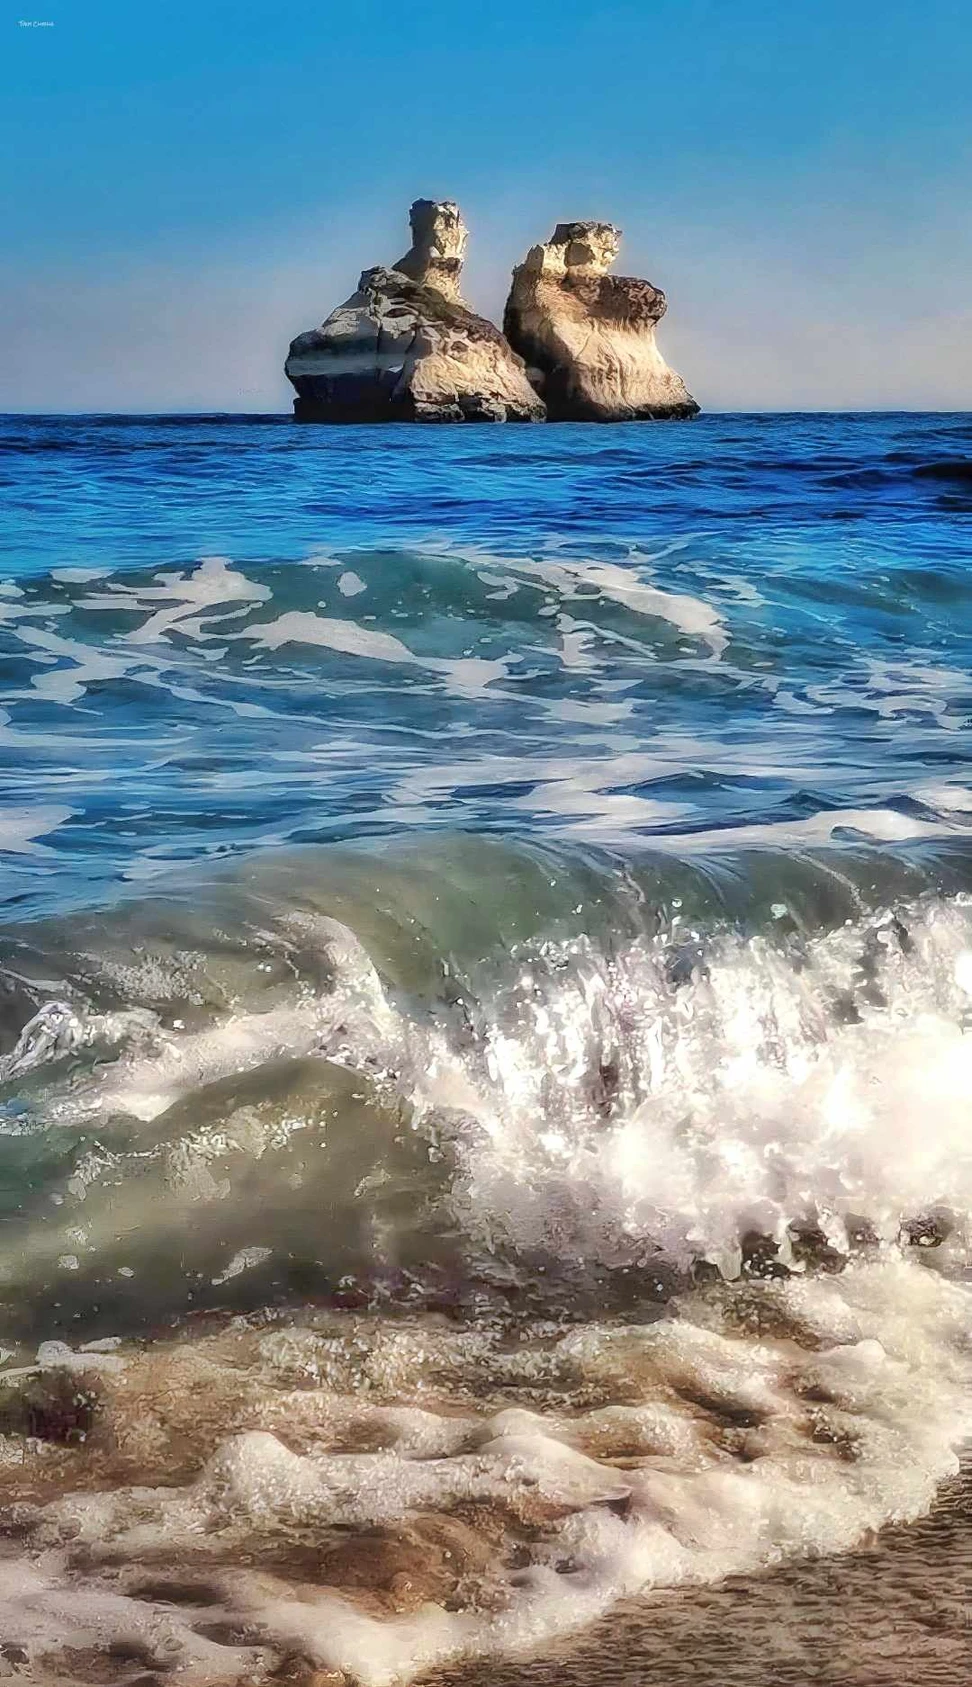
(439, 239)
(406, 347)
(588, 337)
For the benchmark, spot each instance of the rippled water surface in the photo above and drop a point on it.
(220, 634)
(485, 1014)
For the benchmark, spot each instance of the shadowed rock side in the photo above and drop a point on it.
(588, 338)
(406, 348)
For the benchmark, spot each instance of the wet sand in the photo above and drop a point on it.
(897, 1613)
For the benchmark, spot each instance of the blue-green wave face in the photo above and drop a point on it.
(416, 1067)
(485, 1000)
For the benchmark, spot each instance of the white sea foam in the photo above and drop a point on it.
(765, 1088)
(464, 674)
(659, 1104)
(878, 825)
(690, 615)
(190, 602)
(670, 1098)
(351, 584)
(572, 579)
(702, 1450)
(159, 1067)
(947, 799)
(20, 828)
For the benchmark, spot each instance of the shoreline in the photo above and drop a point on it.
(894, 1611)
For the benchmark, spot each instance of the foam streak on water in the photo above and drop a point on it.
(223, 634)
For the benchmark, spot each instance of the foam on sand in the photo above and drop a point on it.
(381, 1497)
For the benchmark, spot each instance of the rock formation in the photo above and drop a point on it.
(435, 257)
(405, 347)
(588, 338)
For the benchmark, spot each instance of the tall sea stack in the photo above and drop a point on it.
(587, 337)
(406, 348)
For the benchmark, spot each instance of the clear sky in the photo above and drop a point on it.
(186, 186)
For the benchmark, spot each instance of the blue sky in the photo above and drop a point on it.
(188, 185)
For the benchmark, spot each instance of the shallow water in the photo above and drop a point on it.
(898, 1610)
(485, 989)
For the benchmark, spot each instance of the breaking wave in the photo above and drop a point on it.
(516, 1230)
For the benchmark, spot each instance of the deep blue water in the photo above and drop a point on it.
(223, 634)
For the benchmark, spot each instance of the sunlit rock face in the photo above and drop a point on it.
(439, 239)
(588, 337)
(406, 348)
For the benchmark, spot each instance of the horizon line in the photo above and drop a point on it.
(287, 416)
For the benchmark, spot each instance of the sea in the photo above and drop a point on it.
(486, 1052)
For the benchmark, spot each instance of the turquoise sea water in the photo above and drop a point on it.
(485, 995)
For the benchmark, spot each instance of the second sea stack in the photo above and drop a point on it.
(588, 337)
(406, 347)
